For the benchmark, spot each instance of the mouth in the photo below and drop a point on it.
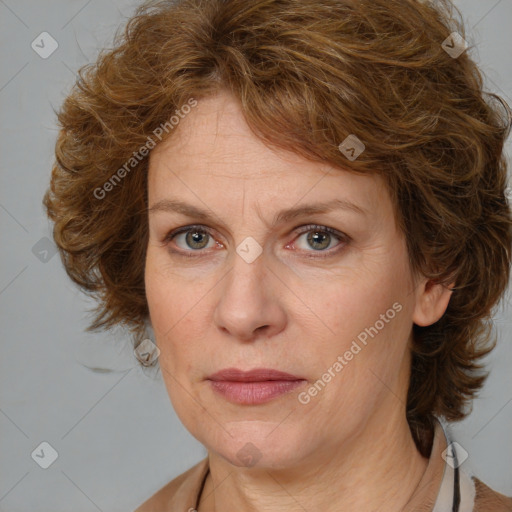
(255, 386)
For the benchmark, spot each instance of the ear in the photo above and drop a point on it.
(431, 302)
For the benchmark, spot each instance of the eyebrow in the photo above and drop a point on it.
(177, 206)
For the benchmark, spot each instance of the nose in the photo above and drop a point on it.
(250, 301)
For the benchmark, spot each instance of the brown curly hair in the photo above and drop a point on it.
(307, 74)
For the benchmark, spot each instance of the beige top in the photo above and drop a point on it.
(434, 493)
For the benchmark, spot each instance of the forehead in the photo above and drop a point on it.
(215, 133)
(212, 151)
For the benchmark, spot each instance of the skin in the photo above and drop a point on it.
(349, 447)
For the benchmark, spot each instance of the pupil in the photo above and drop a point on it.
(319, 237)
(194, 238)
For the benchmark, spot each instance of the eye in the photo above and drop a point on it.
(320, 238)
(193, 238)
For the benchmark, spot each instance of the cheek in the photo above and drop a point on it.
(175, 311)
(368, 316)
(364, 358)
(165, 292)
(347, 308)
(164, 310)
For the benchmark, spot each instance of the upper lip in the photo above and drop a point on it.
(255, 375)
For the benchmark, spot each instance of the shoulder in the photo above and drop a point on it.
(488, 500)
(180, 493)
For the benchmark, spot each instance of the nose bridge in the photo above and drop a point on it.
(245, 283)
(247, 303)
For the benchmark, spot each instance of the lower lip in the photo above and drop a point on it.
(251, 393)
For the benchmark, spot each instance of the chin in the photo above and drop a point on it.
(258, 444)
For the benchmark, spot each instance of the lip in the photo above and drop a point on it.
(252, 387)
(255, 375)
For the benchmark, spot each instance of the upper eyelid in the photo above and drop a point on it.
(202, 227)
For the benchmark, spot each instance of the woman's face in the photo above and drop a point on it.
(253, 286)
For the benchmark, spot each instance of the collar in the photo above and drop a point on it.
(444, 487)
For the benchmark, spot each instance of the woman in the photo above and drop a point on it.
(305, 199)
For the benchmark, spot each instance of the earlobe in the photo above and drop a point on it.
(431, 302)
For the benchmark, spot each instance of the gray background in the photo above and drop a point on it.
(117, 437)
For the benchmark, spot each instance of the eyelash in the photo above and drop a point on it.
(306, 229)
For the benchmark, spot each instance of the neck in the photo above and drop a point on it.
(377, 469)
